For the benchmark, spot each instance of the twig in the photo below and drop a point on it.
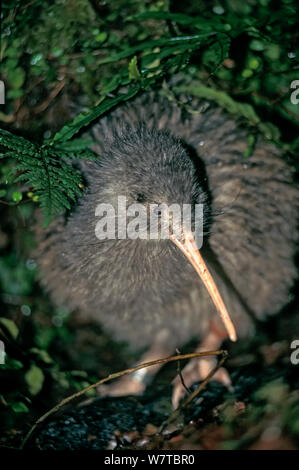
(192, 395)
(7, 203)
(179, 371)
(114, 376)
(8, 118)
(43, 106)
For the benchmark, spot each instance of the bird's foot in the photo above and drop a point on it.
(196, 370)
(126, 385)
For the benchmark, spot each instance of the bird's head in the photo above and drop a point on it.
(159, 181)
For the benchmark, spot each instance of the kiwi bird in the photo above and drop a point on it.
(146, 291)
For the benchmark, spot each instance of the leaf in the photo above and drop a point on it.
(19, 407)
(10, 326)
(251, 145)
(16, 77)
(56, 183)
(11, 364)
(9, 140)
(74, 145)
(134, 73)
(42, 354)
(17, 196)
(191, 41)
(34, 379)
(148, 59)
(83, 120)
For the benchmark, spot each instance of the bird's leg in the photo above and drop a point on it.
(198, 368)
(136, 383)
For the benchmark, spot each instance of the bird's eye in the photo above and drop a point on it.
(140, 197)
(158, 211)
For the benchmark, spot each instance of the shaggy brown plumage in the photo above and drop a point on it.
(152, 151)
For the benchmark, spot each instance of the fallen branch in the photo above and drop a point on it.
(68, 399)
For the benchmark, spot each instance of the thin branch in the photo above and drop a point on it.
(43, 106)
(114, 376)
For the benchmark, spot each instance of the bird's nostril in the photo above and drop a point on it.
(158, 211)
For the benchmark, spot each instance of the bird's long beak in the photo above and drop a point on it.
(188, 246)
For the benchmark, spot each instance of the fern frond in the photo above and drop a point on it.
(47, 169)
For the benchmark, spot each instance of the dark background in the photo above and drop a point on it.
(64, 56)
